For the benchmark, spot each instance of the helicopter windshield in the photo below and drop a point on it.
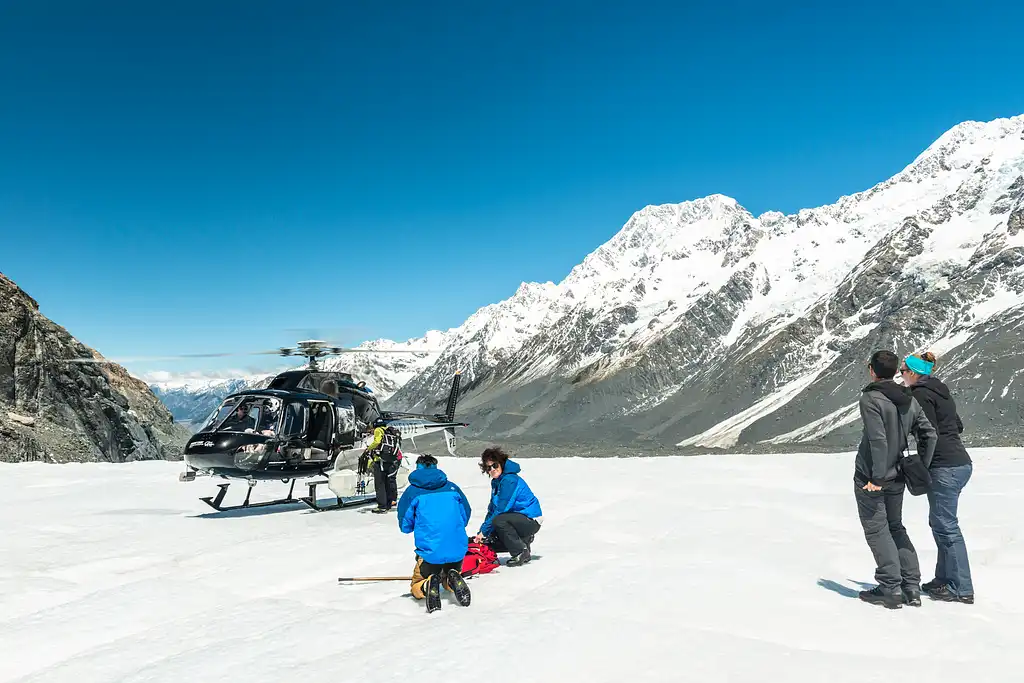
(259, 414)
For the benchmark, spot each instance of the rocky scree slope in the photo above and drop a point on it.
(55, 411)
(702, 326)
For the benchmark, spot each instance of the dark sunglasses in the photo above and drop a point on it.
(484, 467)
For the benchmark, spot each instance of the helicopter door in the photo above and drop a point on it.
(321, 428)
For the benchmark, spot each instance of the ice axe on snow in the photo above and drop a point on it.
(348, 579)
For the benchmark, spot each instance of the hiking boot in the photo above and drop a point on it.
(933, 585)
(458, 586)
(529, 543)
(433, 592)
(912, 597)
(876, 596)
(379, 511)
(945, 595)
(520, 559)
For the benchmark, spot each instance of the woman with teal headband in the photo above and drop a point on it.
(951, 469)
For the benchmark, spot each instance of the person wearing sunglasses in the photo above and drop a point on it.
(514, 514)
(951, 468)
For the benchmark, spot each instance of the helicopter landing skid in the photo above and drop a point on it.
(311, 502)
(216, 501)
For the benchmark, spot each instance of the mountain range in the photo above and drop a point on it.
(193, 399)
(702, 326)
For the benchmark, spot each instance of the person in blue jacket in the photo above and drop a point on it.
(438, 512)
(513, 515)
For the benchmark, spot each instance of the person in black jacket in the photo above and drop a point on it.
(951, 469)
(890, 415)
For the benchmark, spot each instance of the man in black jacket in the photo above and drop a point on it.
(890, 414)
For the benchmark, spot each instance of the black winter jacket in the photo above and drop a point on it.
(939, 406)
(890, 414)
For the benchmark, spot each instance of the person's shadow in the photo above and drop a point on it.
(842, 590)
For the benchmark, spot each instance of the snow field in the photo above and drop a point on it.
(726, 568)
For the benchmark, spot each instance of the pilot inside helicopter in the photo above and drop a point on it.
(249, 414)
(240, 420)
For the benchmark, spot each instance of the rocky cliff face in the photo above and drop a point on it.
(56, 411)
(704, 326)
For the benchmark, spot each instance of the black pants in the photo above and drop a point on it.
(424, 570)
(881, 516)
(384, 483)
(512, 530)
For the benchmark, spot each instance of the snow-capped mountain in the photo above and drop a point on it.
(701, 325)
(191, 399)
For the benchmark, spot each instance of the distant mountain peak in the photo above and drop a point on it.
(697, 313)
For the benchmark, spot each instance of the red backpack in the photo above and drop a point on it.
(479, 559)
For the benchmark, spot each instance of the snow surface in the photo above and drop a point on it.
(725, 568)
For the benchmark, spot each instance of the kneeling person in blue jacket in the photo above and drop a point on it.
(438, 511)
(513, 515)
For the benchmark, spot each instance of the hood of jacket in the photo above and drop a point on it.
(897, 393)
(429, 478)
(935, 386)
(510, 468)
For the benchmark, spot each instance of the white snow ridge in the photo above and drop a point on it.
(726, 569)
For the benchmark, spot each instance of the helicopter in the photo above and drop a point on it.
(306, 423)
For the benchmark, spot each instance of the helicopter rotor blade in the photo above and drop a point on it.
(336, 350)
(284, 351)
(133, 359)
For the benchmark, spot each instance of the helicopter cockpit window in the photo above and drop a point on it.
(256, 414)
(220, 414)
(269, 416)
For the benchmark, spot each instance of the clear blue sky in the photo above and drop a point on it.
(183, 177)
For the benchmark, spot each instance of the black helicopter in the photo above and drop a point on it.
(306, 423)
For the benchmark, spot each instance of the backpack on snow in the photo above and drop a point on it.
(479, 559)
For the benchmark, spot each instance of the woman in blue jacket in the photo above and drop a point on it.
(438, 512)
(513, 515)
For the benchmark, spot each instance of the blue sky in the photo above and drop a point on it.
(200, 177)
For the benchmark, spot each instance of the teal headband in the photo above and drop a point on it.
(921, 367)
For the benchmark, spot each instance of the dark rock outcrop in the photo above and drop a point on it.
(55, 411)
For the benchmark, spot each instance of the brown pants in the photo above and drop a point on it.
(424, 570)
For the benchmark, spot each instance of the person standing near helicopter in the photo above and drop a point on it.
(384, 454)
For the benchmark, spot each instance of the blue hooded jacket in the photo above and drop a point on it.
(438, 511)
(510, 493)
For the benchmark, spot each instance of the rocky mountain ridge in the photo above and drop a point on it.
(55, 411)
(703, 326)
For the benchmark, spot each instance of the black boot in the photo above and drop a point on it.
(458, 586)
(933, 585)
(433, 592)
(912, 597)
(945, 595)
(876, 596)
(520, 559)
